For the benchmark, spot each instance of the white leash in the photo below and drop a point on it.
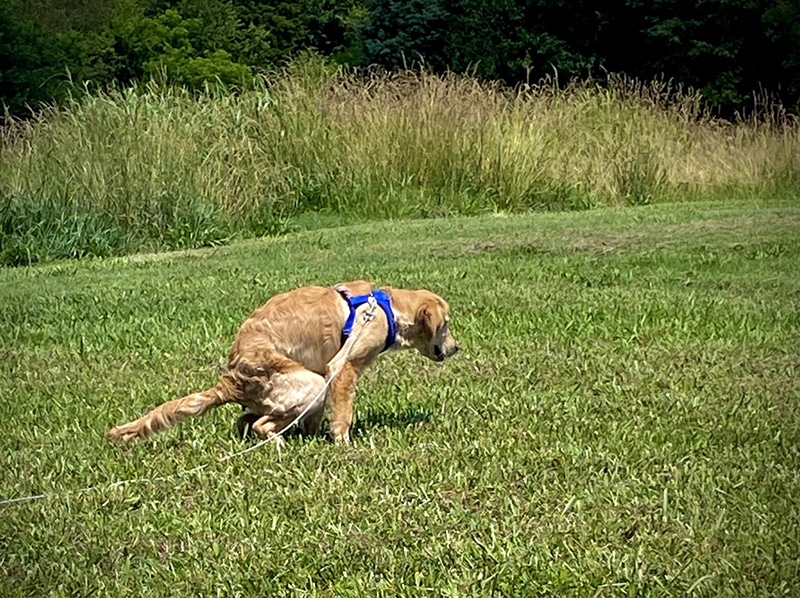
(369, 315)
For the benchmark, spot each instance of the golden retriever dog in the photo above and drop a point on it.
(287, 349)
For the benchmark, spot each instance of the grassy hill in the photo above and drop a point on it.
(149, 168)
(622, 418)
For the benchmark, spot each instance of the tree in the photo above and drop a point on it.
(402, 32)
(36, 66)
(725, 48)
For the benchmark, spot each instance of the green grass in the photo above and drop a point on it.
(622, 419)
(148, 168)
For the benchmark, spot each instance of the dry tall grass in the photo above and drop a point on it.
(152, 167)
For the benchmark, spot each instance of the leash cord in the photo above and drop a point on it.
(369, 315)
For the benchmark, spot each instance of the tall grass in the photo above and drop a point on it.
(148, 167)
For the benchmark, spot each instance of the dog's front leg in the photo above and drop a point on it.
(361, 349)
(342, 392)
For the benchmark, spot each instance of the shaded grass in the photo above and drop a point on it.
(150, 168)
(622, 418)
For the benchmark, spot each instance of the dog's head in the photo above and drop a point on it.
(432, 322)
(423, 323)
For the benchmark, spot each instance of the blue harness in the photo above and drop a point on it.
(385, 304)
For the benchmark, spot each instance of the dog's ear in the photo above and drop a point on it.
(428, 316)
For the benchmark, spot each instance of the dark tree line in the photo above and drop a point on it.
(727, 49)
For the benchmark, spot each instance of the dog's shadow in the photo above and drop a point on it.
(376, 420)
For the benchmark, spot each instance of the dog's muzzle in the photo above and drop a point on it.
(441, 355)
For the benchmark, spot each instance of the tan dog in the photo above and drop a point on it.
(286, 349)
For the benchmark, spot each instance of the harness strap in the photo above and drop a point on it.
(382, 298)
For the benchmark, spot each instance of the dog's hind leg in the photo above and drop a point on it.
(295, 397)
(266, 426)
(170, 413)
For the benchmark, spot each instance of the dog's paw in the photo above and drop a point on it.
(342, 438)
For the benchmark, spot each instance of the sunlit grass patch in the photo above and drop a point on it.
(622, 418)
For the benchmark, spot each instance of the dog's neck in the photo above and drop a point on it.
(405, 331)
(404, 307)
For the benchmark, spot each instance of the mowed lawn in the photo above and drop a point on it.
(622, 418)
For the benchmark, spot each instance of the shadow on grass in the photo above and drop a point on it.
(371, 420)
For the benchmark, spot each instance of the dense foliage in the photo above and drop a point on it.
(54, 47)
(728, 49)
(725, 48)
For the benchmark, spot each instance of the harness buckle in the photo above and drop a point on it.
(369, 315)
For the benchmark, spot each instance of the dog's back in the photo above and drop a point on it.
(303, 325)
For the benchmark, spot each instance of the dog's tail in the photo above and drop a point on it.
(173, 412)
